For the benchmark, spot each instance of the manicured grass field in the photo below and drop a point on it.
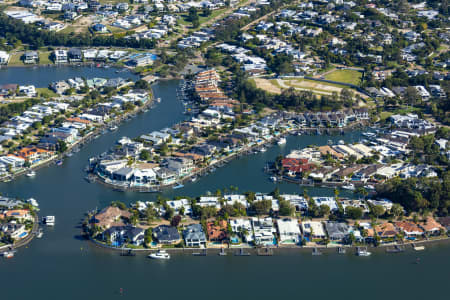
(47, 92)
(347, 76)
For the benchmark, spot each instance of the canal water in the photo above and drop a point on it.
(62, 265)
(41, 77)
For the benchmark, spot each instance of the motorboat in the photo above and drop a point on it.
(161, 254)
(49, 220)
(113, 128)
(33, 202)
(263, 150)
(281, 141)
(273, 178)
(362, 251)
(8, 254)
(349, 186)
(178, 186)
(369, 187)
(40, 233)
(31, 174)
(158, 100)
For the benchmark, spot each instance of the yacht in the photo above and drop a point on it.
(281, 141)
(349, 186)
(158, 100)
(31, 174)
(263, 150)
(161, 254)
(369, 187)
(341, 142)
(273, 178)
(360, 251)
(113, 128)
(49, 220)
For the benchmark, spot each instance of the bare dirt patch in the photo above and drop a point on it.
(266, 85)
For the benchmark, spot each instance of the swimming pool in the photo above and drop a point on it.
(23, 234)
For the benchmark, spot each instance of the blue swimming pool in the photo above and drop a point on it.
(23, 234)
(235, 240)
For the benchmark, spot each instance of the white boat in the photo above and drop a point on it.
(349, 186)
(341, 142)
(418, 248)
(8, 254)
(49, 220)
(40, 233)
(31, 174)
(194, 179)
(263, 150)
(158, 100)
(369, 187)
(362, 252)
(281, 141)
(161, 254)
(113, 128)
(273, 178)
(33, 202)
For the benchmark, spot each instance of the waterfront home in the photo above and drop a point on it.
(9, 203)
(14, 230)
(59, 87)
(431, 226)
(299, 202)
(33, 154)
(243, 227)
(118, 235)
(4, 58)
(410, 229)
(60, 56)
(177, 205)
(313, 230)
(166, 176)
(194, 236)
(386, 231)
(182, 166)
(19, 214)
(167, 235)
(233, 199)
(445, 221)
(329, 201)
(354, 203)
(156, 137)
(337, 231)
(111, 216)
(75, 55)
(217, 231)
(385, 203)
(30, 57)
(12, 161)
(263, 231)
(209, 201)
(289, 231)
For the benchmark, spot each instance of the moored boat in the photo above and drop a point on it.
(31, 174)
(161, 254)
(281, 141)
(362, 251)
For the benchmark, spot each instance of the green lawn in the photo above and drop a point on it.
(47, 92)
(44, 58)
(384, 115)
(16, 60)
(347, 76)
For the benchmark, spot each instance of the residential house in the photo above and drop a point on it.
(217, 231)
(289, 231)
(337, 231)
(410, 229)
(119, 235)
(194, 236)
(111, 216)
(165, 234)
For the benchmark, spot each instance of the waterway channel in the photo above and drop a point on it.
(61, 265)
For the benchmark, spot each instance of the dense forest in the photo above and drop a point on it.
(419, 194)
(31, 34)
